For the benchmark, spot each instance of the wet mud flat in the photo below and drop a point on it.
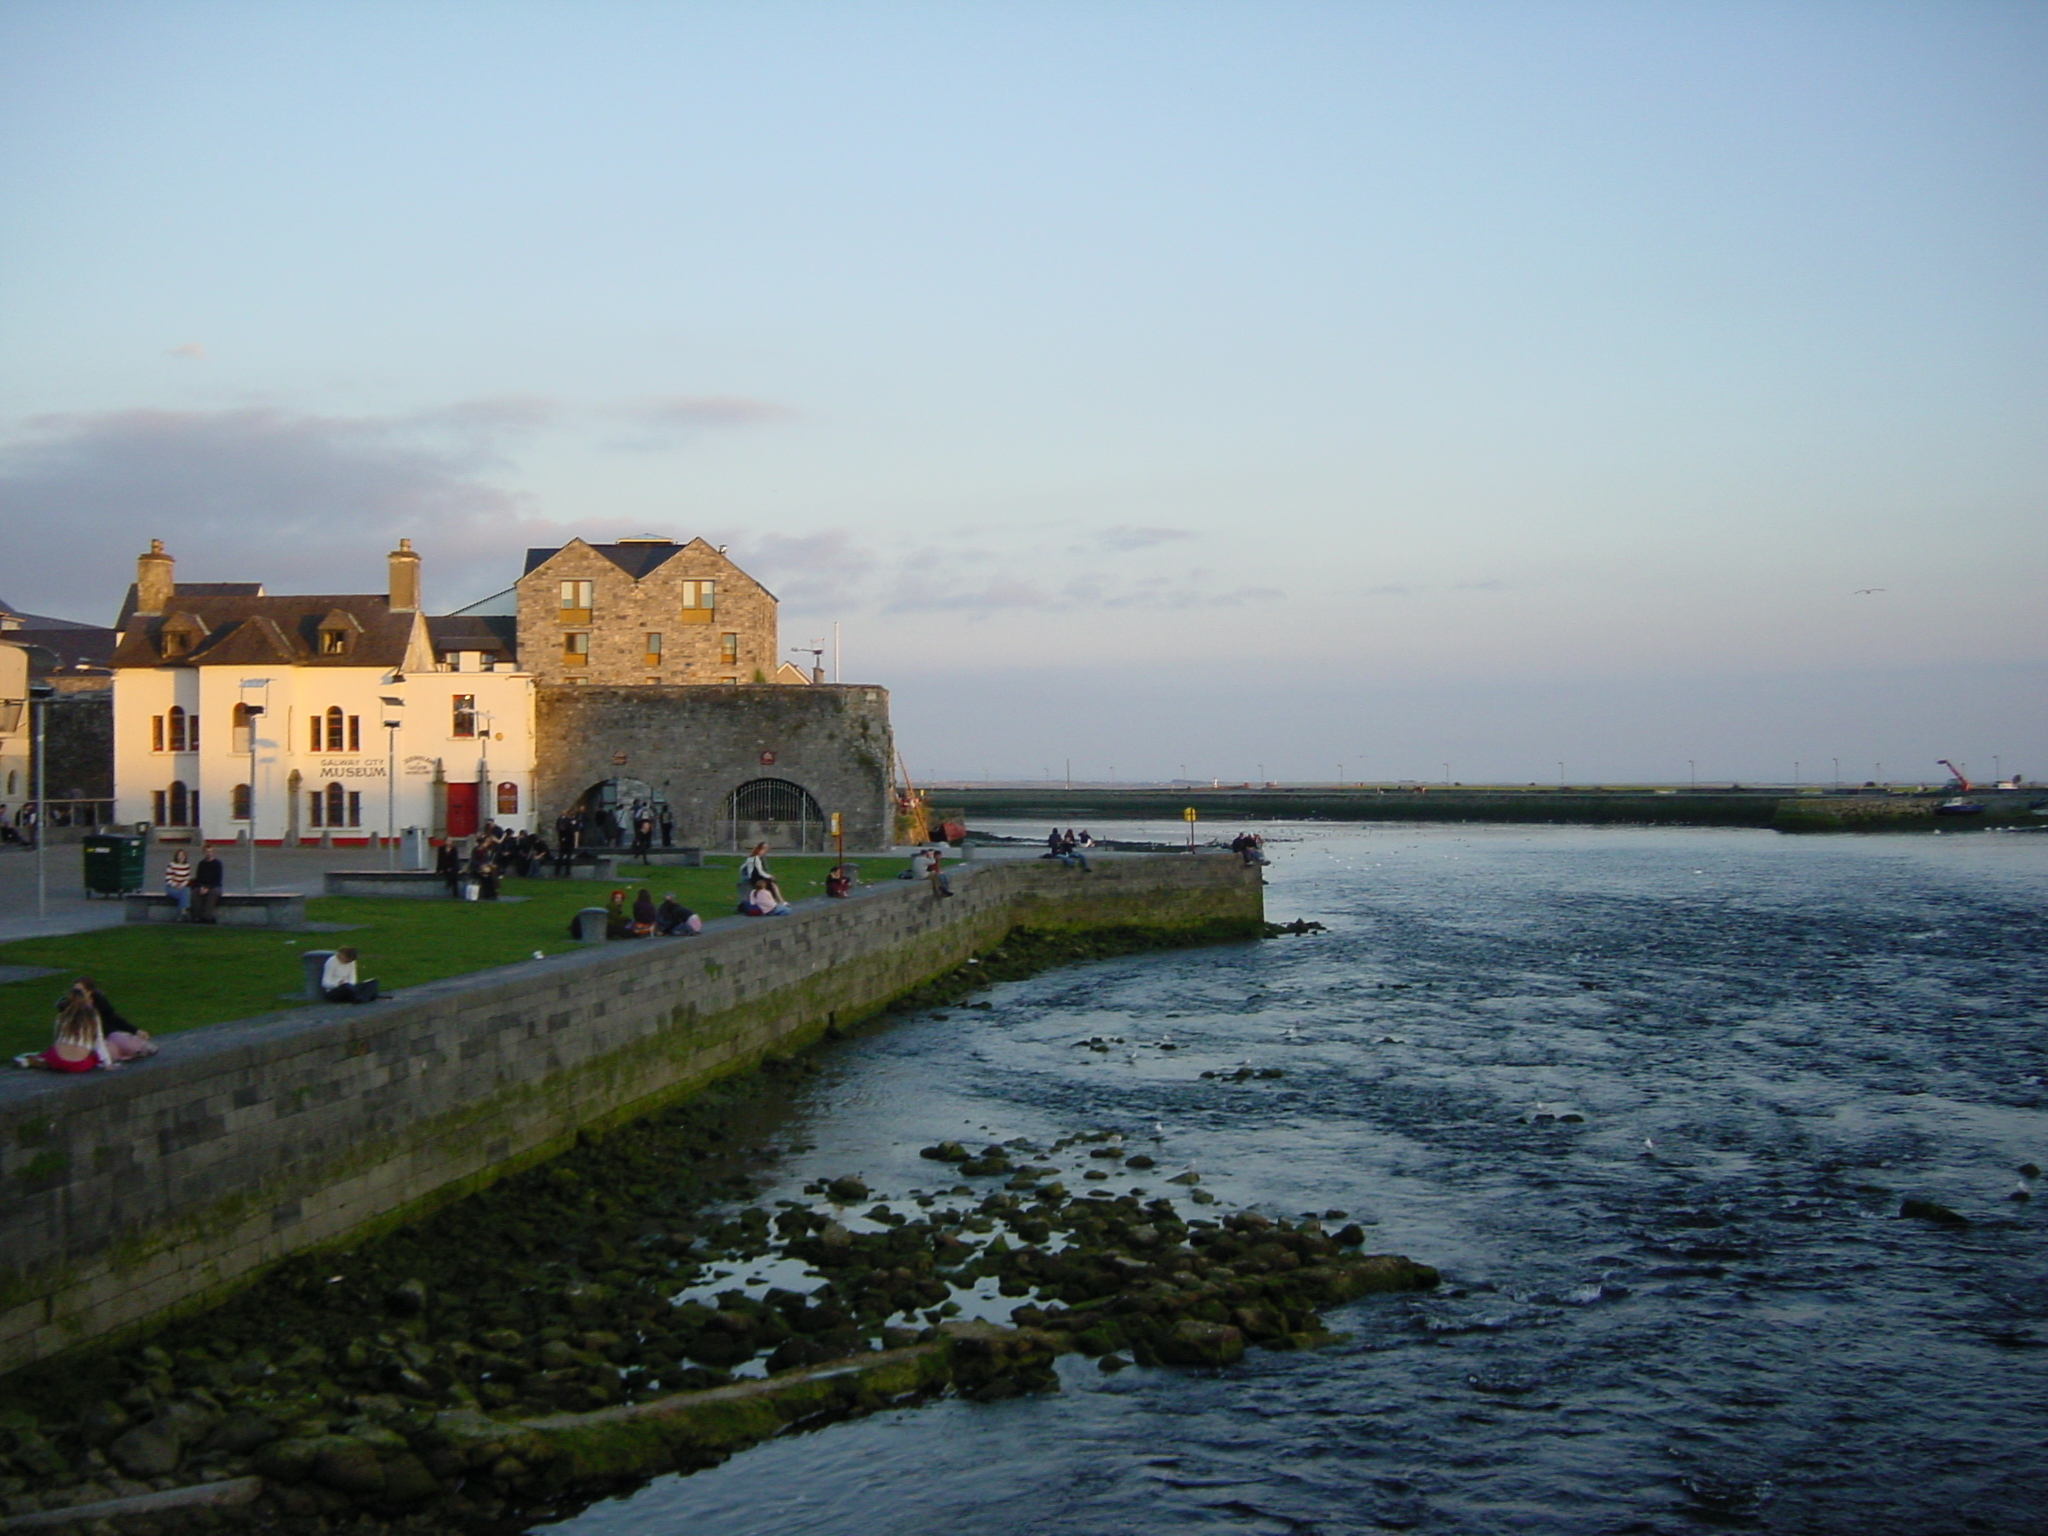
(624, 1310)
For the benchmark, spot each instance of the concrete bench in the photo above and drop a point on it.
(418, 883)
(243, 909)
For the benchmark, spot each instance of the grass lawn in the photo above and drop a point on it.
(166, 977)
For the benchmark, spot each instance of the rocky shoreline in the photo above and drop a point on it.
(624, 1311)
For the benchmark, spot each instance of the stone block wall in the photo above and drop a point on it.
(695, 746)
(625, 612)
(129, 1198)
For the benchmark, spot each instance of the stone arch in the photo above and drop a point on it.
(777, 812)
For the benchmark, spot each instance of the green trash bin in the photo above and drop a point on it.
(114, 863)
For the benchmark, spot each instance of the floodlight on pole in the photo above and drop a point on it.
(253, 713)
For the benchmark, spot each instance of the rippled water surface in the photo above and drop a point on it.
(1649, 1098)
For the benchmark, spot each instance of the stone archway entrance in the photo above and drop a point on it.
(608, 807)
(775, 812)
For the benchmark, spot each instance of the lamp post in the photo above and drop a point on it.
(1693, 769)
(1838, 771)
(39, 696)
(1560, 775)
(394, 713)
(1447, 775)
(255, 712)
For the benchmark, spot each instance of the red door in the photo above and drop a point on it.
(462, 810)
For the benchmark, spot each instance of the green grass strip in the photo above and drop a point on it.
(167, 977)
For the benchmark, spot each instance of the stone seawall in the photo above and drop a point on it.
(132, 1197)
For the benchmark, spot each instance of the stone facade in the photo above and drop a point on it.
(643, 611)
(133, 1197)
(692, 748)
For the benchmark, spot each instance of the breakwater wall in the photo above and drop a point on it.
(1771, 807)
(130, 1198)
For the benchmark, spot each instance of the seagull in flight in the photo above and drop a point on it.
(1866, 591)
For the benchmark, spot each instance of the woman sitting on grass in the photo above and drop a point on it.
(81, 1044)
(763, 900)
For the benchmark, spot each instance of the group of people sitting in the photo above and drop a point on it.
(1250, 847)
(90, 1034)
(195, 888)
(1069, 847)
(645, 919)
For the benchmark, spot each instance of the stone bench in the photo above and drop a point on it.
(242, 909)
(418, 883)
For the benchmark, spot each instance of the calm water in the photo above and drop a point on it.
(1732, 1329)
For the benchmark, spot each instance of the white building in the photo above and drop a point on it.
(315, 718)
(16, 742)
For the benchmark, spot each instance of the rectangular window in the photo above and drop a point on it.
(575, 649)
(355, 733)
(355, 808)
(192, 731)
(156, 737)
(464, 723)
(333, 642)
(156, 807)
(653, 657)
(729, 650)
(577, 599)
(700, 594)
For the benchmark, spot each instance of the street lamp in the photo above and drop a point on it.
(394, 714)
(1838, 771)
(39, 696)
(1447, 775)
(254, 712)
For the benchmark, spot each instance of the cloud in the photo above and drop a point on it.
(1123, 537)
(298, 501)
(192, 351)
(664, 421)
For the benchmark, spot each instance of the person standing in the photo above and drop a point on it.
(208, 879)
(668, 827)
(643, 836)
(178, 883)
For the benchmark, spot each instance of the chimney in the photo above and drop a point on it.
(405, 578)
(153, 585)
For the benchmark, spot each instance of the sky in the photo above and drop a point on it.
(1482, 391)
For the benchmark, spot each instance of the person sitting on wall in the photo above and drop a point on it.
(755, 867)
(124, 1041)
(840, 881)
(338, 983)
(643, 915)
(763, 900)
(178, 883)
(674, 920)
(941, 886)
(80, 1043)
(207, 879)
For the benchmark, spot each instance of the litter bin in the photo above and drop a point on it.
(413, 849)
(113, 863)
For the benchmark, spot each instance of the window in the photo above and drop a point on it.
(238, 732)
(336, 807)
(355, 733)
(177, 806)
(576, 649)
(175, 730)
(653, 657)
(729, 650)
(699, 598)
(508, 798)
(464, 723)
(335, 727)
(333, 642)
(238, 803)
(156, 737)
(577, 599)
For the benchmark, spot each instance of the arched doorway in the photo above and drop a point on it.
(608, 808)
(776, 812)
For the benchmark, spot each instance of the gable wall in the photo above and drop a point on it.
(626, 611)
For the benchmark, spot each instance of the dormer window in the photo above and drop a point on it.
(336, 634)
(181, 636)
(333, 642)
(176, 642)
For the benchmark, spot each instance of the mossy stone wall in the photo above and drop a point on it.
(131, 1197)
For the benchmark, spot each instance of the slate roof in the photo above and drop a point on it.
(187, 589)
(636, 558)
(495, 633)
(255, 631)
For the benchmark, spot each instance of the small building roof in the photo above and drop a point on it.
(250, 630)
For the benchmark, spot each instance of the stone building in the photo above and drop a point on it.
(327, 717)
(643, 611)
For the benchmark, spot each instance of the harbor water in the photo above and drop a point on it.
(1650, 1099)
